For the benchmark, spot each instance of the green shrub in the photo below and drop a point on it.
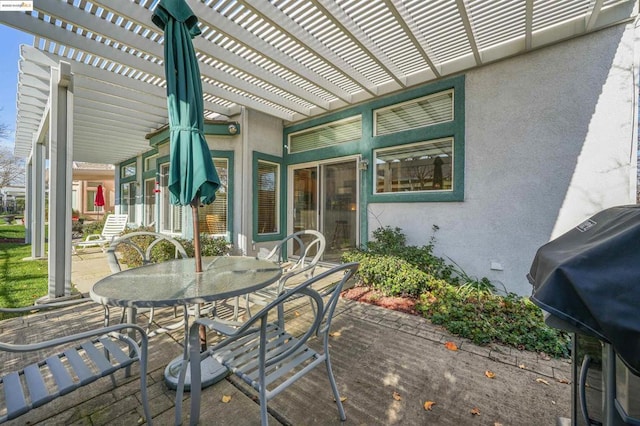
(391, 275)
(209, 246)
(93, 227)
(392, 242)
(164, 250)
(484, 318)
(466, 306)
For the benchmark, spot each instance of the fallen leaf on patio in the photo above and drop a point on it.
(542, 381)
(342, 399)
(522, 366)
(226, 398)
(451, 346)
(475, 411)
(397, 396)
(296, 313)
(335, 334)
(428, 405)
(497, 424)
(490, 374)
(563, 380)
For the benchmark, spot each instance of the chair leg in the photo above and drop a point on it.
(106, 315)
(334, 388)
(236, 308)
(264, 420)
(151, 313)
(247, 306)
(145, 397)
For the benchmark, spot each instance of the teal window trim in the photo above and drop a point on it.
(159, 138)
(343, 150)
(453, 130)
(368, 143)
(161, 160)
(148, 174)
(123, 165)
(229, 156)
(214, 129)
(275, 236)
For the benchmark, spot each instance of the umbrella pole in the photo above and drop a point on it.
(196, 235)
(202, 331)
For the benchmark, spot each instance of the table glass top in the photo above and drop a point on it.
(175, 282)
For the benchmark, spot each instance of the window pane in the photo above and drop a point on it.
(426, 111)
(128, 198)
(150, 163)
(333, 133)
(128, 170)
(149, 202)
(170, 215)
(213, 218)
(425, 166)
(91, 197)
(267, 197)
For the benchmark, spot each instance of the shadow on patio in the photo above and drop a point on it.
(387, 364)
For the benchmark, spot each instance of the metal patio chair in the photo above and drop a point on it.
(67, 363)
(308, 245)
(143, 243)
(263, 353)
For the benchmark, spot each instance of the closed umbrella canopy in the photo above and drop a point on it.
(99, 200)
(192, 175)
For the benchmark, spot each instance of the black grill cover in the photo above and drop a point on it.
(590, 278)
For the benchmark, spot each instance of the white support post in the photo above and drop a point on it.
(28, 199)
(60, 180)
(37, 199)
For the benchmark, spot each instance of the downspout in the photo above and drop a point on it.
(246, 210)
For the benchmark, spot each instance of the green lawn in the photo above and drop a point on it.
(21, 282)
(11, 231)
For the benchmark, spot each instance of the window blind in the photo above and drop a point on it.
(422, 112)
(334, 133)
(267, 197)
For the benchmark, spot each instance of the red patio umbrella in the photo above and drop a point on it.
(99, 200)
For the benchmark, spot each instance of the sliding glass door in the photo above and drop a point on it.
(325, 198)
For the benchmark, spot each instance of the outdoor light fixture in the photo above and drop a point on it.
(233, 129)
(364, 164)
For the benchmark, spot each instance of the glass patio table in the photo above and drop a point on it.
(176, 283)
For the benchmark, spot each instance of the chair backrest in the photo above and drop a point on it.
(143, 243)
(308, 245)
(263, 353)
(114, 225)
(323, 310)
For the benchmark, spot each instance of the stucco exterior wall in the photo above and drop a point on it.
(263, 133)
(550, 139)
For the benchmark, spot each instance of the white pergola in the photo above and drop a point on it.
(92, 86)
(291, 59)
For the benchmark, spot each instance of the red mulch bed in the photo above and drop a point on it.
(375, 297)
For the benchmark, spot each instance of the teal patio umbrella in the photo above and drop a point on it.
(193, 179)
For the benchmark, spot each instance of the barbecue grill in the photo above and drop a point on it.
(588, 282)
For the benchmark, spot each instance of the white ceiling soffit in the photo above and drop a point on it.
(292, 59)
